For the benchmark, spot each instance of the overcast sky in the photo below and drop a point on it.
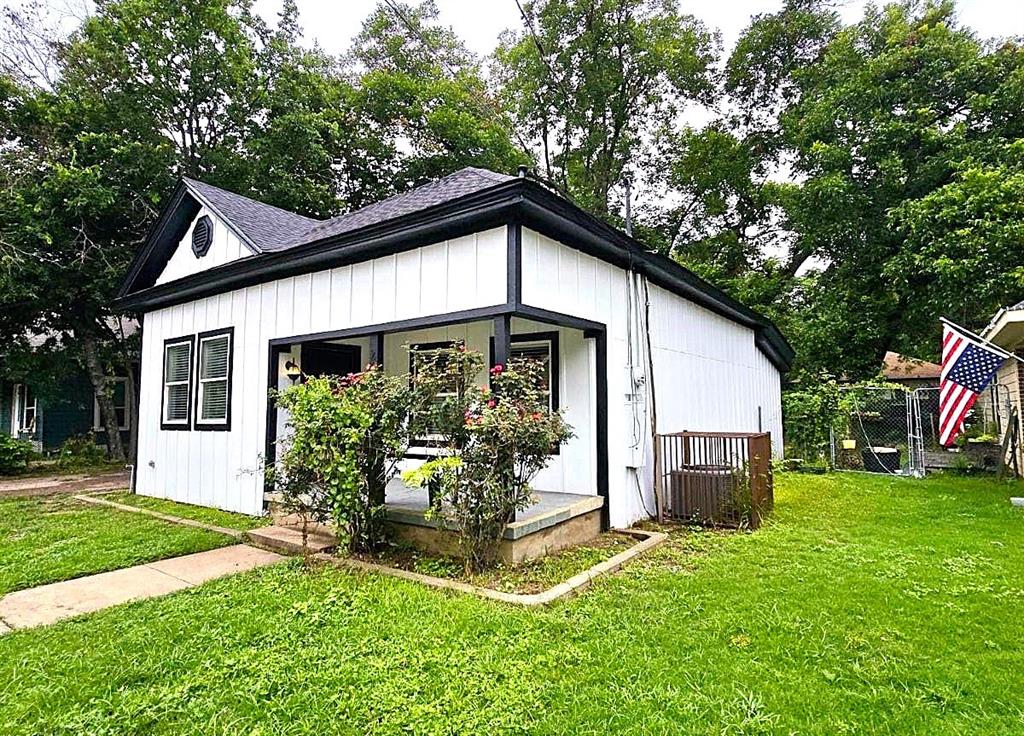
(333, 23)
(478, 22)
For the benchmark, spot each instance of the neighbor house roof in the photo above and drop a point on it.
(896, 367)
(1006, 329)
(471, 199)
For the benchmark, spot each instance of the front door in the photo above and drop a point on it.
(330, 359)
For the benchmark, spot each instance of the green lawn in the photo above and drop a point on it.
(870, 605)
(205, 514)
(46, 539)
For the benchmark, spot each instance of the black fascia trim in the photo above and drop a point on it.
(514, 203)
(537, 314)
(164, 234)
(191, 340)
(563, 221)
(226, 425)
(490, 208)
(477, 314)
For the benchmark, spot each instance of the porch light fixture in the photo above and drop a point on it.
(292, 370)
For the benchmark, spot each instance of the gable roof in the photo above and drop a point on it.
(263, 227)
(464, 202)
(464, 181)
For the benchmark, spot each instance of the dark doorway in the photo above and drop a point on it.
(329, 359)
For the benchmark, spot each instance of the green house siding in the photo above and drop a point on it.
(69, 415)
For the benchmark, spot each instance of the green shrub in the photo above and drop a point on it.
(347, 436)
(14, 454)
(80, 451)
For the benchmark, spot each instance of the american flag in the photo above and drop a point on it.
(967, 368)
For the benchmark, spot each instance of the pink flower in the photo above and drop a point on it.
(491, 404)
(537, 416)
(497, 369)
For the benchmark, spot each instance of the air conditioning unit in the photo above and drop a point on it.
(702, 493)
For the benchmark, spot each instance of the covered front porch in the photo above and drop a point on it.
(570, 494)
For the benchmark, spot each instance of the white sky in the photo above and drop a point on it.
(333, 23)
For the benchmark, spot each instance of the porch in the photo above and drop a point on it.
(570, 493)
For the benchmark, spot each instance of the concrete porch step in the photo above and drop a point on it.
(288, 539)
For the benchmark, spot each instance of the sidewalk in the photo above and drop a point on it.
(49, 603)
(49, 485)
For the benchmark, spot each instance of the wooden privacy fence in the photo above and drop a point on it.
(715, 478)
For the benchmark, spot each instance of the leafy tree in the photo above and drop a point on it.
(422, 94)
(591, 81)
(899, 134)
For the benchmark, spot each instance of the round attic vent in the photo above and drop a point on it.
(202, 236)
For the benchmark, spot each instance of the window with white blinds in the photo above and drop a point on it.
(177, 382)
(213, 399)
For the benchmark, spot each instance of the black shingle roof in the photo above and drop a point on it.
(268, 228)
(273, 229)
(462, 182)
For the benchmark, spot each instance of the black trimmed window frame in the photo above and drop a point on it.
(419, 446)
(216, 425)
(539, 338)
(185, 423)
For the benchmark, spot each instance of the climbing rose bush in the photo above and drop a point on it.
(503, 437)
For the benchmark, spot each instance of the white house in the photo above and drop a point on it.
(231, 290)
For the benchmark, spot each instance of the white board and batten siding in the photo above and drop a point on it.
(708, 373)
(224, 248)
(220, 468)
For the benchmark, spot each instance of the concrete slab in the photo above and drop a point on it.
(49, 603)
(288, 539)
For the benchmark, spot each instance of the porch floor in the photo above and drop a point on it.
(407, 505)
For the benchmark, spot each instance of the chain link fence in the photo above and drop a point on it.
(896, 431)
(875, 436)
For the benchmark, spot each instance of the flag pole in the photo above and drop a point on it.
(982, 340)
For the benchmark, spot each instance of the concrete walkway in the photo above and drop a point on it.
(50, 485)
(49, 603)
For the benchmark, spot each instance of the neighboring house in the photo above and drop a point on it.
(232, 291)
(913, 373)
(1006, 329)
(47, 417)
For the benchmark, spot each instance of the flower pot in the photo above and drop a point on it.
(881, 459)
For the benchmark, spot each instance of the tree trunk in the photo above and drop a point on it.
(101, 389)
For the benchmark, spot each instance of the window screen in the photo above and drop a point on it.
(214, 397)
(177, 382)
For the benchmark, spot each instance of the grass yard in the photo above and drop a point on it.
(870, 605)
(214, 517)
(50, 538)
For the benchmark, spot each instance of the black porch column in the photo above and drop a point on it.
(502, 339)
(377, 349)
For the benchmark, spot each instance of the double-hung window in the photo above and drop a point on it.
(213, 384)
(432, 354)
(119, 396)
(177, 395)
(540, 348)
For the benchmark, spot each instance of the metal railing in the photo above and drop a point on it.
(714, 478)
